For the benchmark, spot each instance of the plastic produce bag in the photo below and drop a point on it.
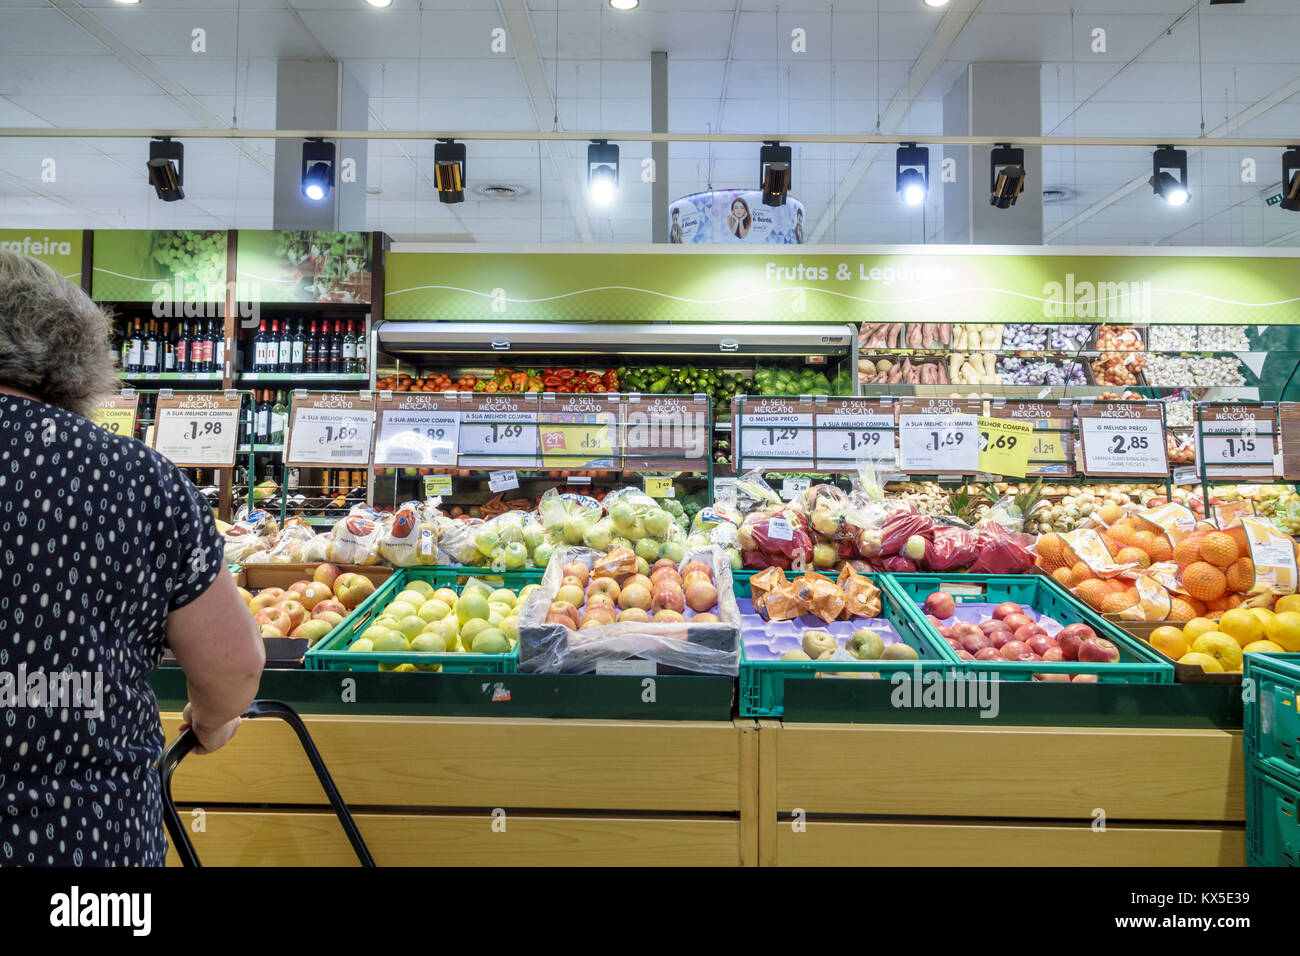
(410, 539)
(566, 516)
(253, 533)
(775, 538)
(1002, 552)
(355, 537)
(753, 492)
(899, 528)
(703, 648)
(456, 541)
(950, 549)
(288, 545)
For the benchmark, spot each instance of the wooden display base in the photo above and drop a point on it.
(464, 791)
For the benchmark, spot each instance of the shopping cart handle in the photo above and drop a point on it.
(188, 741)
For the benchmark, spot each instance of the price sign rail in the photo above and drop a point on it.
(1064, 437)
(1112, 477)
(861, 440)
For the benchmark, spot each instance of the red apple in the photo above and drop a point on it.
(1005, 608)
(1017, 620)
(1040, 643)
(1001, 638)
(1084, 679)
(1028, 656)
(965, 655)
(962, 628)
(1057, 678)
(988, 627)
(941, 605)
(1025, 632)
(1012, 650)
(1053, 654)
(1071, 637)
(988, 654)
(1098, 650)
(973, 643)
(945, 632)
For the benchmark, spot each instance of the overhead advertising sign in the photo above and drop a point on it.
(60, 249)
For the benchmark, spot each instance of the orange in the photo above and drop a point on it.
(1110, 513)
(1050, 550)
(1284, 629)
(1198, 626)
(1123, 531)
(1132, 555)
(1116, 586)
(1222, 647)
(1155, 545)
(1219, 549)
(1206, 663)
(1181, 610)
(1188, 551)
(1242, 626)
(1169, 641)
(1115, 602)
(1263, 647)
(1081, 572)
(1093, 593)
(1204, 581)
(1220, 604)
(1111, 544)
(1197, 606)
(1241, 575)
(1289, 602)
(1063, 576)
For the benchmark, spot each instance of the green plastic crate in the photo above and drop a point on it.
(1272, 719)
(332, 652)
(762, 683)
(1138, 663)
(1272, 818)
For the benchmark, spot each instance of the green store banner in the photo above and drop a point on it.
(139, 265)
(690, 286)
(58, 248)
(289, 265)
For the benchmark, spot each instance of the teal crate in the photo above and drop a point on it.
(1272, 818)
(332, 652)
(762, 683)
(1138, 662)
(1272, 719)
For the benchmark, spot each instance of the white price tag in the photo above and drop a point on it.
(335, 435)
(855, 438)
(1185, 476)
(1243, 449)
(724, 489)
(417, 437)
(930, 444)
(495, 437)
(503, 480)
(792, 488)
(197, 436)
(1123, 446)
(777, 441)
(779, 528)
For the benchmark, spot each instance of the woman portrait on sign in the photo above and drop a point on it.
(739, 220)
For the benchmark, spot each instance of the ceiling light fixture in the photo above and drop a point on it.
(936, 3)
(128, 2)
(1169, 175)
(449, 170)
(380, 4)
(317, 169)
(1007, 175)
(167, 168)
(1215, 3)
(775, 165)
(912, 173)
(602, 172)
(1291, 179)
(624, 4)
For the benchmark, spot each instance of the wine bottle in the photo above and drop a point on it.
(135, 350)
(182, 346)
(286, 348)
(349, 349)
(299, 354)
(336, 349)
(169, 349)
(219, 347)
(149, 363)
(279, 415)
(362, 350)
(259, 347)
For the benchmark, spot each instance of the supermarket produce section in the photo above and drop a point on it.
(712, 577)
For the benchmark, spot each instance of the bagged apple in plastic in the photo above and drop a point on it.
(355, 537)
(409, 540)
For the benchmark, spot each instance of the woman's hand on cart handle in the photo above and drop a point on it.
(210, 739)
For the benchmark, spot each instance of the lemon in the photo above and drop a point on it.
(1241, 625)
(1169, 641)
(1206, 663)
(1284, 629)
(1222, 647)
(1198, 626)
(1263, 647)
(1290, 602)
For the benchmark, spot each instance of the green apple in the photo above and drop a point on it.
(413, 598)
(524, 592)
(446, 595)
(510, 628)
(433, 610)
(648, 549)
(424, 588)
(514, 555)
(429, 643)
(533, 536)
(408, 627)
(471, 628)
(375, 632)
(542, 554)
(490, 641)
(657, 523)
(480, 589)
(496, 617)
(391, 642)
(362, 645)
(399, 610)
(675, 551)
(502, 596)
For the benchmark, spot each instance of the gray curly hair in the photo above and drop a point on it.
(54, 340)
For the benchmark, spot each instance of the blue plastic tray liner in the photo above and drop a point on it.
(769, 640)
(974, 612)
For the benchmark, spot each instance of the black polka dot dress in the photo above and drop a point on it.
(100, 537)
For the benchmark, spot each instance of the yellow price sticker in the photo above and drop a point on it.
(437, 485)
(657, 487)
(1046, 446)
(1005, 446)
(586, 445)
(117, 421)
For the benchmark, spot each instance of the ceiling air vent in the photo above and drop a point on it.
(499, 191)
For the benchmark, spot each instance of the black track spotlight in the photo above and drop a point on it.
(775, 164)
(1169, 175)
(167, 168)
(317, 169)
(1291, 179)
(1215, 3)
(449, 170)
(912, 173)
(602, 172)
(1006, 175)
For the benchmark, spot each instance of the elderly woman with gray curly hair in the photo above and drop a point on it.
(106, 551)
